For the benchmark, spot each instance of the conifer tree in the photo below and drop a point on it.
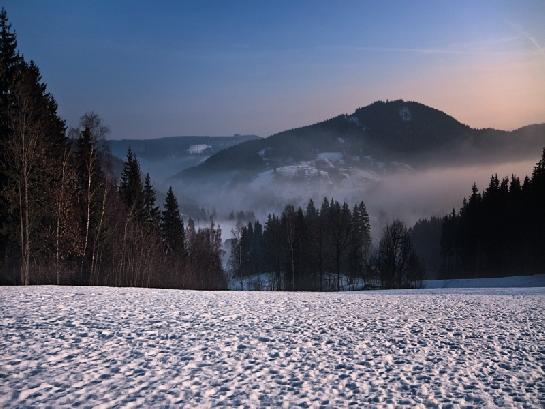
(314, 243)
(172, 227)
(130, 187)
(9, 64)
(8, 61)
(360, 240)
(324, 248)
(151, 211)
(273, 254)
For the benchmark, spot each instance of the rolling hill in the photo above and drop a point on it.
(378, 137)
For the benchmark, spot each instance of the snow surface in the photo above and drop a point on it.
(100, 346)
(263, 153)
(305, 168)
(330, 156)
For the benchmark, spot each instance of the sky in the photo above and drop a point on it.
(166, 68)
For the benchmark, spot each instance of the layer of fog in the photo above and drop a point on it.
(413, 195)
(407, 194)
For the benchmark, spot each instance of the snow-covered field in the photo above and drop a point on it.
(70, 346)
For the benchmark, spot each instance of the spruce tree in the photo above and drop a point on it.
(9, 64)
(360, 240)
(324, 241)
(314, 243)
(151, 211)
(273, 246)
(9, 60)
(131, 190)
(172, 228)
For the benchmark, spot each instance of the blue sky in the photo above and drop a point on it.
(166, 68)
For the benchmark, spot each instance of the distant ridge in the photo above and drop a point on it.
(164, 157)
(382, 132)
(158, 148)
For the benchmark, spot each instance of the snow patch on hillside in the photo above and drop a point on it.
(198, 149)
(263, 153)
(302, 169)
(405, 114)
(330, 156)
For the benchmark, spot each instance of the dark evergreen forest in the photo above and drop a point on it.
(497, 232)
(500, 231)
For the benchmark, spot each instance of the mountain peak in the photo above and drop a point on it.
(406, 125)
(400, 111)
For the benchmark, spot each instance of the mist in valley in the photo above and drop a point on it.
(406, 194)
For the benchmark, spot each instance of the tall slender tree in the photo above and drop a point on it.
(172, 227)
(91, 184)
(152, 214)
(131, 189)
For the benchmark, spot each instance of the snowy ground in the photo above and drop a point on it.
(103, 346)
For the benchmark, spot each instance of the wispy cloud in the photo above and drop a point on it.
(529, 37)
(536, 44)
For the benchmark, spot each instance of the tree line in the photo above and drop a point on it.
(64, 216)
(324, 249)
(500, 231)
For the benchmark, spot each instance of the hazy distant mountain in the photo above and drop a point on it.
(383, 135)
(164, 157)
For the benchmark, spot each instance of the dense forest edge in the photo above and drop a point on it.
(500, 232)
(66, 218)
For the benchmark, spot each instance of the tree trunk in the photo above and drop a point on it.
(96, 243)
(22, 234)
(292, 266)
(88, 213)
(27, 234)
(338, 263)
(60, 204)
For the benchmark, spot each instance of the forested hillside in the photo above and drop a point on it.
(375, 137)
